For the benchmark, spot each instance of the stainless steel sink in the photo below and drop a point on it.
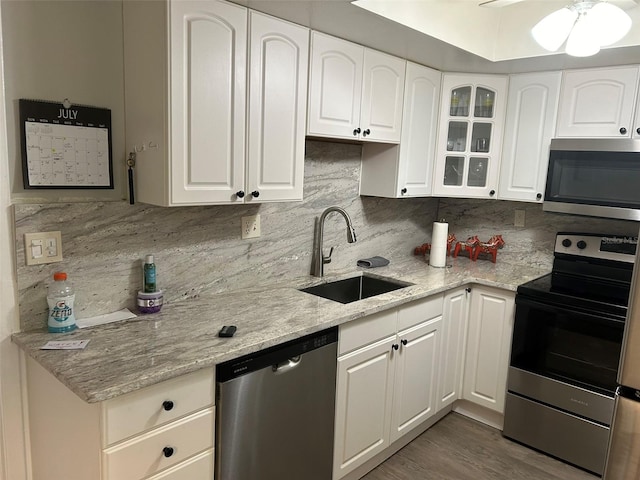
(355, 288)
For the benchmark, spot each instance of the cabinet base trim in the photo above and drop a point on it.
(481, 414)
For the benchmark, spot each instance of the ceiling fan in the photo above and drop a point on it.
(625, 4)
(585, 25)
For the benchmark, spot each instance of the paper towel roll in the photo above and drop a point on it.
(438, 255)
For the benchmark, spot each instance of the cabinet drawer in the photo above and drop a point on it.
(145, 409)
(144, 455)
(366, 330)
(419, 311)
(196, 468)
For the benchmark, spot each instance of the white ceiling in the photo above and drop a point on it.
(461, 36)
(497, 33)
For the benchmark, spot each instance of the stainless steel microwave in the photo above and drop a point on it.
(595, 177)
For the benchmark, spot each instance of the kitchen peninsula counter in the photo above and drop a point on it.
(125, 356)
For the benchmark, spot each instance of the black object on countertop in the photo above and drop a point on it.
(227, 331)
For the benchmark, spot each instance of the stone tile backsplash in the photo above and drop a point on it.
(198, 249)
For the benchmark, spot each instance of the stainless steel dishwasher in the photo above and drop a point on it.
(275, 411)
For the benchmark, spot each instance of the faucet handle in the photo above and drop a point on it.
(327, 259)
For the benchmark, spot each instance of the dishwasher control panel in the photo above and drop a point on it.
(275, 355)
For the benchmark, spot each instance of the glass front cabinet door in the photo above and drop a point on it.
(470, 135)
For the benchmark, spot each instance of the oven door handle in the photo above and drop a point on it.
(602, 317)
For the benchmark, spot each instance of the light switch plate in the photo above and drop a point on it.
(42, 247)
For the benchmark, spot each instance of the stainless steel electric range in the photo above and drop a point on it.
(566, 348)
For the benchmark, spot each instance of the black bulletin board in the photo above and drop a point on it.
(65, 146)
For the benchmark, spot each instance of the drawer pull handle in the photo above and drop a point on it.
(167, 451)
(167, 405)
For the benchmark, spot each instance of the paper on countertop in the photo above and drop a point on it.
(123, 314)
(65, 345)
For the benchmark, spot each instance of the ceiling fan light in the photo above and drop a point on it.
(582, 42)
(609, 23)
(553, 30)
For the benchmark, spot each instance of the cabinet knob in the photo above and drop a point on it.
(366, 132)
(492, 193)
(404, 341)
(539, 196)
(403, 191)
(623, 130)
(240, 194)
(167, 451)
(638, 130)
(167, 405)
(468, 289)
(395, 346)
(356, 132)
(255, 194)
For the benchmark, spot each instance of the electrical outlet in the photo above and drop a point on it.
(42, 247)
(251, 226)
(519, 218)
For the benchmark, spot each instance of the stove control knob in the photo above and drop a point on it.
(566, 243)
(581, 244)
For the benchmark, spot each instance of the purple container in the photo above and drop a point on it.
(150, 302)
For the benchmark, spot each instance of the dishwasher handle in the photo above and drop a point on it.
(287, 365)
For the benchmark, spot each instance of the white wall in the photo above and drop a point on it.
(64, 49)
(13, 453)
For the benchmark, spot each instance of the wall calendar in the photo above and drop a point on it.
(65, 146)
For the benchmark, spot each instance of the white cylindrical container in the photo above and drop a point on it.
(438, 255)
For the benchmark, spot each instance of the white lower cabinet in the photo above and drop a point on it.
(491, 313)
(386, 385)
(454, 329)
(363, 405)
(165, 431)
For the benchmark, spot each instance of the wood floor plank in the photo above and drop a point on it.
(459, 448)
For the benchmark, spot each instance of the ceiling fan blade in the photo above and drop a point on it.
(497, 3)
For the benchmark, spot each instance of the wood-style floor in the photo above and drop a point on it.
(459, 448)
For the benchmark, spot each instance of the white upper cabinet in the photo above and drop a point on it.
(382, 96)
(407, 170)
(188, 103)
(208, 104)
(532, 108)
(598, 102)
(354, 92)
(470, 135)
(277, 108)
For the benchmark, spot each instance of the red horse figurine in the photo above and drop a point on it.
(491, 247)
(469, 246)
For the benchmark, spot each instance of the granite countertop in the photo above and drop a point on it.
(125, 356)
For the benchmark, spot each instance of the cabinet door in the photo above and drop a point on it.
(335, 87)
(414, 392)
(208, 101)
(488, 347)
(470, 135)
(382, 97)
(530, 124)
(454, 328)
(419, 131)
(597, 102)
(363, 405)
(277, 109)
